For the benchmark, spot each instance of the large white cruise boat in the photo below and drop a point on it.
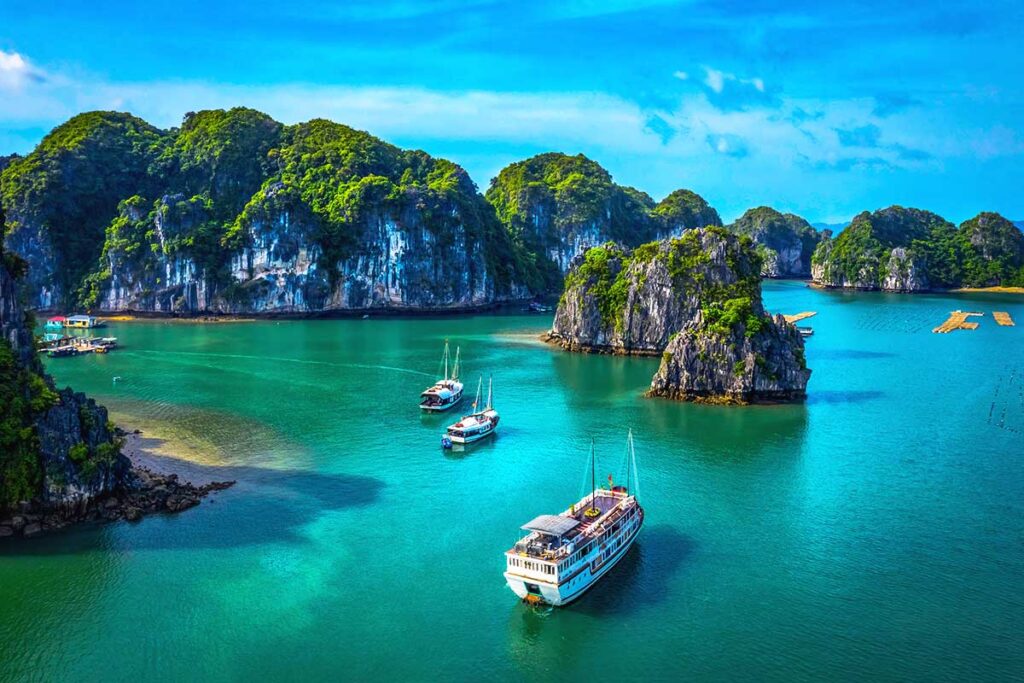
(564, 555)
(447, 392)
(479, 425)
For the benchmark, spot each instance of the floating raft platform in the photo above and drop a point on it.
(957, 321)
(1003, 318)
(796, 317)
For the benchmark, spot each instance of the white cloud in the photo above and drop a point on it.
(681, 75)
(15, 71)
(715, 79)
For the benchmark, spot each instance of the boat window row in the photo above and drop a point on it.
(532, 566)
(630, 521)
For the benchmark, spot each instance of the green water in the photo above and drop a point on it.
(876, 532)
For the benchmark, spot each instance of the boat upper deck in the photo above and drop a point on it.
(553, 536)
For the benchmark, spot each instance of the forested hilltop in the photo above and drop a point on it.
(909, 250)
(233, 212)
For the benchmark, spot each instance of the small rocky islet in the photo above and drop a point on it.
(695, 300)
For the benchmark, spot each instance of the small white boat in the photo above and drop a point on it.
(476, 426)
(564, 555)
(446, 393)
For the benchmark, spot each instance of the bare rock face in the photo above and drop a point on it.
(631, 302)
(785, 241)
(891, 249)
(708, 365)
(278, 264)
(696, 300)
(69, 456)
(904, 272)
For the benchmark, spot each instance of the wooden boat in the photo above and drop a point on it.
(564, 555)
(62, 351)
(476, 426)
(445, 393)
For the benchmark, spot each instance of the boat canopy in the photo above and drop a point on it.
(555, 525)
(56, 319)
(440, 393)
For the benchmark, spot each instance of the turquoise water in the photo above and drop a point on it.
(877, 531)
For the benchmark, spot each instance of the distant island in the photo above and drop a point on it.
(909, 250)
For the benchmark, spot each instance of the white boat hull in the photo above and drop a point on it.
(472, 437)
(561, 595)
(440, 408)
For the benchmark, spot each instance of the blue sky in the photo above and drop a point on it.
(824, 109)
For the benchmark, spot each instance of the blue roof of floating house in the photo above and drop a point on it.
(80, 318)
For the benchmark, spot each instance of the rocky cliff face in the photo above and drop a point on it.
(623, 301)
(683, 210)
(696, 300)
(785, 241)
(558, 206)
(893, 249)
(910, 250)
(993, 251)
(59, 199)
(279, 267)
(234, 212)
(57, 452)
(709, 365)
(903, 272)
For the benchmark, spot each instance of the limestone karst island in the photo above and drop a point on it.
(407, 341)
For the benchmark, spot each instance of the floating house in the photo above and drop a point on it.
(83, 321)
(56, 322)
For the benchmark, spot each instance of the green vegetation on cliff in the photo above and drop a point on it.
(683, 209)
(607, 273)
(553, 202)
(24, 396)
(993, 251)
(985, 251)
(785, 241)
(70, 185)
(107, 187)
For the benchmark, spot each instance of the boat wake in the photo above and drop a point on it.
(275, 359)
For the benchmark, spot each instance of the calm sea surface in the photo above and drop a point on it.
(875, 532)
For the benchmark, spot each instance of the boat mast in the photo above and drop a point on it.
(593, 511)
(629, 457)
(446, 359)
(490, 389)
(455, 368)
(479, 393)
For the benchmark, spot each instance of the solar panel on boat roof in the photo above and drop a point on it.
(555, 525)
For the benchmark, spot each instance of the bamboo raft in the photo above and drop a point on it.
(1003, 318)
(796, 317)
(957, 321)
